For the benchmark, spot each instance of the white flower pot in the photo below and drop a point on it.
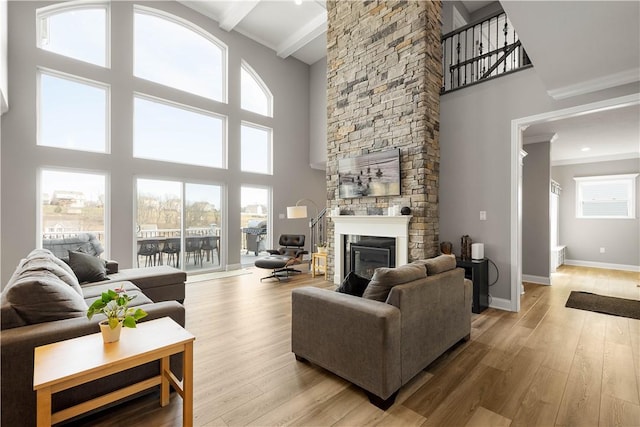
(108, 334)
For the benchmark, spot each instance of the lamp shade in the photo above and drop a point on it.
(296, 212)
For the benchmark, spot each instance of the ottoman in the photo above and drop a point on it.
(278, 264)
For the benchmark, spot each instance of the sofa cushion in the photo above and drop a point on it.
(386, 278)
(40, 296)
(43, 259)
(353, 284)
(439, 264)
(87, 268)
(151, 277)
(93, 291)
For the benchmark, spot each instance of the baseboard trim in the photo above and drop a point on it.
(609, 266)
(231, 267)
(500, 303)
(540, 280)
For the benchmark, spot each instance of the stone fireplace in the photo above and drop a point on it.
(383, 91)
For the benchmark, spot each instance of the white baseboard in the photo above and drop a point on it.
(500, 303)
(606, 265)
(540, 280)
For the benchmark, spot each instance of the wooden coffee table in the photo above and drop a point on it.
(54, 369)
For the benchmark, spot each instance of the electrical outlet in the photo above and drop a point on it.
(602, 250)
(483, 215)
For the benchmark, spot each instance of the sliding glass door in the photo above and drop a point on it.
(178, 224)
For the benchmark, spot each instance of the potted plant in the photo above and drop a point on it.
(322, 247)
(115, 306)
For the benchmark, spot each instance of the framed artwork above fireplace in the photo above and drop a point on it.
(370, 175)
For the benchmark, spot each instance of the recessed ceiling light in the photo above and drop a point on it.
(585, 149)
(298, 2)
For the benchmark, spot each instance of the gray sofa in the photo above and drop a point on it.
(380, 346)
(159, 283)
(44, 303)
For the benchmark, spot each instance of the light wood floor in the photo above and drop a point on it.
(547, 365)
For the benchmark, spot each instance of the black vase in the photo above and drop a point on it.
(405, 210)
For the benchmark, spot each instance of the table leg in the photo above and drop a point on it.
(187, 385)
(43, 413)
(165, 368)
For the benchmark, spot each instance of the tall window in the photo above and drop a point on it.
(255, 144)
(176, 53)
(255, 95)
(165, 131)
(79, 31)
(73, 113)
(72, 203)
(612, 196)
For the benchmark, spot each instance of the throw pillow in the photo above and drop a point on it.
(40, 296)
(353, 284)
(87, 268)
(439, 264)
(386, 278)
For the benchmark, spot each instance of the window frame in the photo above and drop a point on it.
(244, 123)
(256, 77)
(224, 67)
(628, 179)
(186, 107)
(107, 202)
(55, 9)
(80, 80)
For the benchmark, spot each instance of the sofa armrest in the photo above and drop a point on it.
(112, 266)
(355, 338)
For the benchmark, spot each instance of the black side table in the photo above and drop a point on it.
(478, 272)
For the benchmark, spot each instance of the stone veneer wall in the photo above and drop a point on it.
(384, 77)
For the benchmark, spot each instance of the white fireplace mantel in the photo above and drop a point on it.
(369, 225)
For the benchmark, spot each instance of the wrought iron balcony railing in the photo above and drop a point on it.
(481, 51)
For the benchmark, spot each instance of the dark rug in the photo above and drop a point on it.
(602, 304)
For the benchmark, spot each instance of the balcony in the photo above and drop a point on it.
(481, 51)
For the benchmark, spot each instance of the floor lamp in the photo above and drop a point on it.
(300, 211)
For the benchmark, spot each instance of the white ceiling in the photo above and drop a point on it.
(283, 26)
(610, 135)
(575, 46)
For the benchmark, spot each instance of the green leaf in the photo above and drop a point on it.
(113, 322)
(139, 314)
(129, 322)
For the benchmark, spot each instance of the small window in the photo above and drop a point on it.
(77, 31)
(255, 95)
(178, 54)
(610, 196)
(255, 148)
(73, 113)
(173, 133)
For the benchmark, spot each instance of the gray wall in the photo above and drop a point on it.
(536, 238)
(585, 237)
(4, 96)
(287, 79)
(475, 164)
(318, 114)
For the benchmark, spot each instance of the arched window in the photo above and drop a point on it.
(76, 30)
(173, 52)
(256, 96)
